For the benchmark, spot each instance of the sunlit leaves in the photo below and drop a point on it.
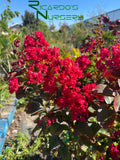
(105, 117)
(90, 128)
(104, 90)
(57, 128)
(64, 153)
(116, 103)
(32, 107)
(4, 26)
(54, 141)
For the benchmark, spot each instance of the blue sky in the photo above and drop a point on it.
(88, 8)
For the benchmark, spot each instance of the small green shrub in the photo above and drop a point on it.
(21, 148)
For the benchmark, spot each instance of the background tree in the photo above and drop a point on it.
(52, 28)
(29, 18)
(31, 24)
(5, 38)
(79, 32)
(64, 28)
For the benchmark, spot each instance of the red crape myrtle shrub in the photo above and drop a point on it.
(42, 66)
(77, 102)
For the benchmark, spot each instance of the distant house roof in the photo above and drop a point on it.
(15, 27)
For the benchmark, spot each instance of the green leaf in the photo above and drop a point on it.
(45, 95)
(4, 42)
(4, 26)
(53, 141)
(103, 89)
(17, 13)
(84, 148)
(104, 131)
(108, 99)
(99, 148)
(58, 84)
(116, 102)
(64, 153)
(57, 128)
(63, 116)
(105, 117)
(94, 155)
(13, 36)
(92, 119)
(20, 93)
(90, 129)
(1, 106)
(37, 120)
(84, 140)
(43, 123)
(9, 1)
(37, 127)
(93, 129)
(32, 107)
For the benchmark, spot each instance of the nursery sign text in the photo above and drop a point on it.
(47, 8)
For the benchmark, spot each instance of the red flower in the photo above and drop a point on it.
(89, 95)
(87, 91)
(116, 134)
(83, 61)
(104, 53)
(13, 85)
(75, 102)
(101, 67)
(115, 152)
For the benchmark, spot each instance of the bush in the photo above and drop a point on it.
(77, 102)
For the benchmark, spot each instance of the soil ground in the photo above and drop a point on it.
(21, 122)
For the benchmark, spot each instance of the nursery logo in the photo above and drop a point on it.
(45, 9)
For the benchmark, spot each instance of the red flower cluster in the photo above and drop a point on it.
(104, 57)
(89, 46)
(76, 103)
(116, 134)
(48, 122)
(115, 152)
(83, 61)
(114, 61)
(16, 43)
(13, 85)
(87, 89)
(37, 41)
(104, 54)
(100, 66)
(89, 95)
(59, 77)
(109, 60)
